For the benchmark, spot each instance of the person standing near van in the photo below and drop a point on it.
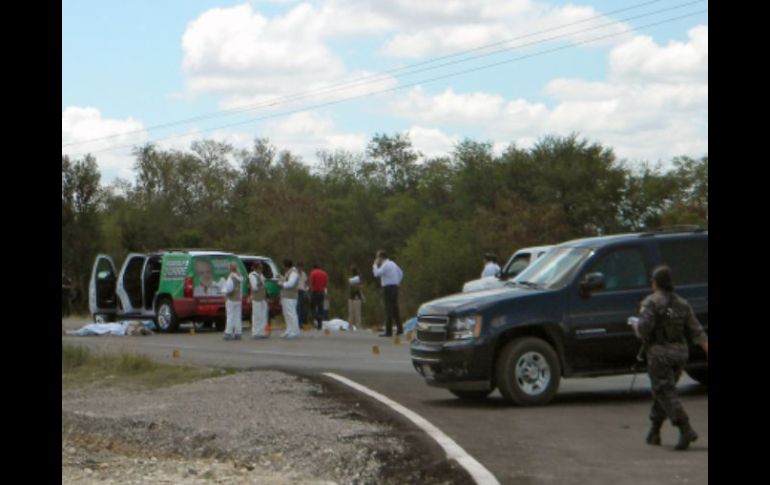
(302, 294)
(233, 304)
(66, 295)
(258, 302)
(491, 268)
(319, 282)
(356, 297)
(289, 292)
(665, 322)
(391, 276)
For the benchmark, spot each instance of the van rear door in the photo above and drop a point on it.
(130, 286)
(101, 288)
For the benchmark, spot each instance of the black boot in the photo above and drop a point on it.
(686, 436)
(653, 437)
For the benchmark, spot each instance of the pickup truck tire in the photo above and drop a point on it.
(165, 317)
(528, 371)
(471, 395)
(700, 375)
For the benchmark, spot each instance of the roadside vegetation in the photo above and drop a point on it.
(437, 215)
(81, 367)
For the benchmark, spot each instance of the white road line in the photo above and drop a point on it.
(480, 474)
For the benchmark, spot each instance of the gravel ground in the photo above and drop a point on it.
(251, 427)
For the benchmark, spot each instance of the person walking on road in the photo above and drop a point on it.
(319, 281)
(233, 304)
(289, 292)
(391, 276)
(665, 322)
(258, 302)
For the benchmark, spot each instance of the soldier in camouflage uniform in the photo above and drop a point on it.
(666, 320)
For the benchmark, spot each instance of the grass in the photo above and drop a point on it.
(81, 366)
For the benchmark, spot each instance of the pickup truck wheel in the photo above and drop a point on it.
(700, 375)
(165, 316)
(528, 372)
(471, 395)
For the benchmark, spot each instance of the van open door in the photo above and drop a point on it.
(101, 290)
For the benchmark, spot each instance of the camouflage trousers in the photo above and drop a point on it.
(665, 364)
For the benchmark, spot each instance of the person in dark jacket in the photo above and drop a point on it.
(666, 322)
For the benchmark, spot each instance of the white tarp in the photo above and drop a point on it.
(338, 324)
(120, 329)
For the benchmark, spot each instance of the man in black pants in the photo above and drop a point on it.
(391, 276)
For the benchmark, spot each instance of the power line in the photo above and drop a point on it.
(397, 88)
(382, 76)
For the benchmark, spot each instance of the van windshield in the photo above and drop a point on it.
(554, 269)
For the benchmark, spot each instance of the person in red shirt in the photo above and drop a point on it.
(318, 284)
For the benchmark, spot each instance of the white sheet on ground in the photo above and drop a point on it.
(338, 324)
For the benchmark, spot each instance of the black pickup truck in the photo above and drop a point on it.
(564, 316)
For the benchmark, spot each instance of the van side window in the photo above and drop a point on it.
(267, 271)
(688, 260)
(623, 270)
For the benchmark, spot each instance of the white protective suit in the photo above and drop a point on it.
(289, 305)
(233, 306)
(258, 307)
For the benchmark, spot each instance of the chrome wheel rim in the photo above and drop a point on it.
(164, 316)
(533, 374)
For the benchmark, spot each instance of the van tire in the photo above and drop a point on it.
(165, 317)
(528, 372)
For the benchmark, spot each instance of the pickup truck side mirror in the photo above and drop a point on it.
(591, 282)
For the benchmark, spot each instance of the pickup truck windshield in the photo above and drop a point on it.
(554, 269)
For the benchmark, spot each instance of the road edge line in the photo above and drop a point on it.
(478, 472)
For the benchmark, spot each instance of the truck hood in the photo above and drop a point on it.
(468, 302)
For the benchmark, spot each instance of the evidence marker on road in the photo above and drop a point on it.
(477, 471)
(376, 349)
(175, 354)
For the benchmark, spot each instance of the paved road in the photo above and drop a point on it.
(593, 431)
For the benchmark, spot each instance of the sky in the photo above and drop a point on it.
(329, 74)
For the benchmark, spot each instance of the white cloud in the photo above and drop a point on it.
(651, 108)
(80, 125)
(245, 55)
(432, 142)
(305, 133)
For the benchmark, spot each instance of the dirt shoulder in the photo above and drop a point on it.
(249, 427)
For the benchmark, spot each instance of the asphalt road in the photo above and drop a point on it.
(592, 432)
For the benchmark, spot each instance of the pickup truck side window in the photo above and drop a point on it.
(623, 270)
(688, 260)
(517, 265)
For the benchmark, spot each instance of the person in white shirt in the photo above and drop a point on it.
(289, 293)
(390, 278)
(491, 268)
(258, 302)
(233, 304)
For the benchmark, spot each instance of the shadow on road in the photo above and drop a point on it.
(569, 398)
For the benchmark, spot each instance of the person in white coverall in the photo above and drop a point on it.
(233, 304)
(258, 302)
(289, 294)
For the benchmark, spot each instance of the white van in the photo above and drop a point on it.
(515, 265)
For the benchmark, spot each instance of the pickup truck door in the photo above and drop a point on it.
(601, 338)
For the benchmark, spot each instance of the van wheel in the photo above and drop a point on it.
(700, 375)
(165, 316)
(528, 372)
(471, 395)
